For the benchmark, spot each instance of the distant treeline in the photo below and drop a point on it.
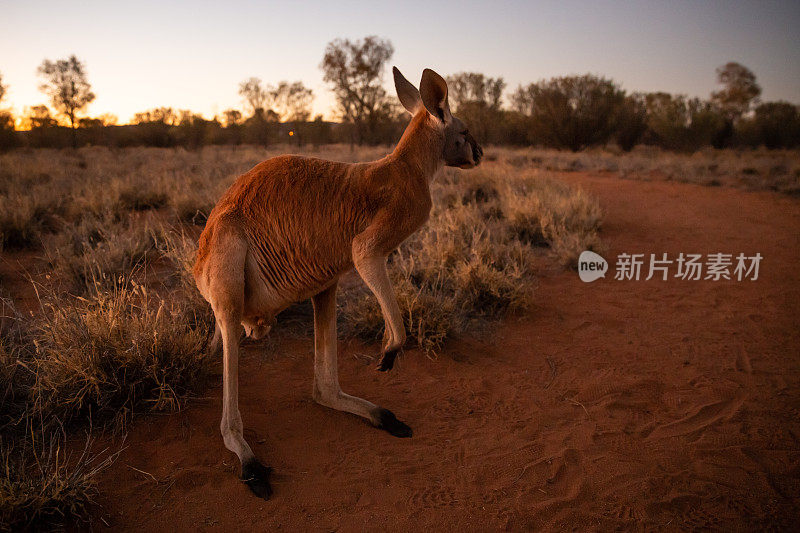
(669, 121)
(571, 112)
(192, 132)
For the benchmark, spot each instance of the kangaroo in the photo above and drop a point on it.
(291, 226)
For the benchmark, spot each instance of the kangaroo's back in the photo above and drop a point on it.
(295, 210)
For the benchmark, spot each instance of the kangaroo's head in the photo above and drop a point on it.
(460, 149)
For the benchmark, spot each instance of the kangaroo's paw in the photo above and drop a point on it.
(256, 476)
(387, 361)
(388, 422)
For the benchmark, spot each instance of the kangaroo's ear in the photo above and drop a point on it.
(433, 90)
(407, 93)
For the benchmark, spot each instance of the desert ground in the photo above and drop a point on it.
(575, 406)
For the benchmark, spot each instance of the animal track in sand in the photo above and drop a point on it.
(434, 497)
(706, 416)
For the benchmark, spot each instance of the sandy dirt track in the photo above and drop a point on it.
(617, 404)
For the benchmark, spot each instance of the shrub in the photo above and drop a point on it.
(104, 357)
(138, 199)
(630, 122)
(777, 125)
(573, 111)
(42, 487)
(474, 260)
(99, 252)
(679, 123)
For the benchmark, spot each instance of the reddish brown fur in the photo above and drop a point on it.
(287, 230)
(300, 216)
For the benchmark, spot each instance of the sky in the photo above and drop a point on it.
(193, 54)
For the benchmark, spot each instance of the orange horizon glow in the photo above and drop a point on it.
(137, 61)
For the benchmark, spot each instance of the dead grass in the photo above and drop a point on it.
(97, 251)
(761, 169)
(476, 257)
(121, 329)
(473, 261)
(42, 487)
(115, 352)
(81, 361)
(43, 191)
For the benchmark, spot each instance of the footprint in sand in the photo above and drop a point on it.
(743, 361)
(705, 417)
(433, 497)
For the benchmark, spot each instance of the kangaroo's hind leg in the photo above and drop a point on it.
(326, 375)
(225, 290)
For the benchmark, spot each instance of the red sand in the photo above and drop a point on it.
(608, 405)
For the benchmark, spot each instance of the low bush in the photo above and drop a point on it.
(475, 258)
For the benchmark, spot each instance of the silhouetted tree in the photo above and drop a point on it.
(354, 70)
(40, 122)
(258, 102)
(260, 127)
(292, 102)
(102, 121)
(466, 87)
(571, 112)
(8, 136)
(232, 121)
(193, 131)
(777, 124)
(164, 115)
(154, 126)
(680, 123)
(231, 117)
(90, 123)
(66, 85)
(254, 94)
(39, 117)
(319, 131)
(476, 99)
(522, 100)
(630, 122)
(740, 90)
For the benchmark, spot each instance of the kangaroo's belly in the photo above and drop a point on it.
(280, 272)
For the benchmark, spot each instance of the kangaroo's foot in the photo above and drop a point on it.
(387, 361)
(388, 422)
(256, 476)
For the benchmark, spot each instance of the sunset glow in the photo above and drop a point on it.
(189, 56)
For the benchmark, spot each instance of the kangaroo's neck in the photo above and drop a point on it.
(420, 147)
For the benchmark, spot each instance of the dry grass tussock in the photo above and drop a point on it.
(95, 360)
(41, 485)
(107, 355)
(475, 259)
(770, 170)
(120, 328)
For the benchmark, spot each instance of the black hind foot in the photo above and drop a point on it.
(387, 361)
(256, 476)
(388, 422)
